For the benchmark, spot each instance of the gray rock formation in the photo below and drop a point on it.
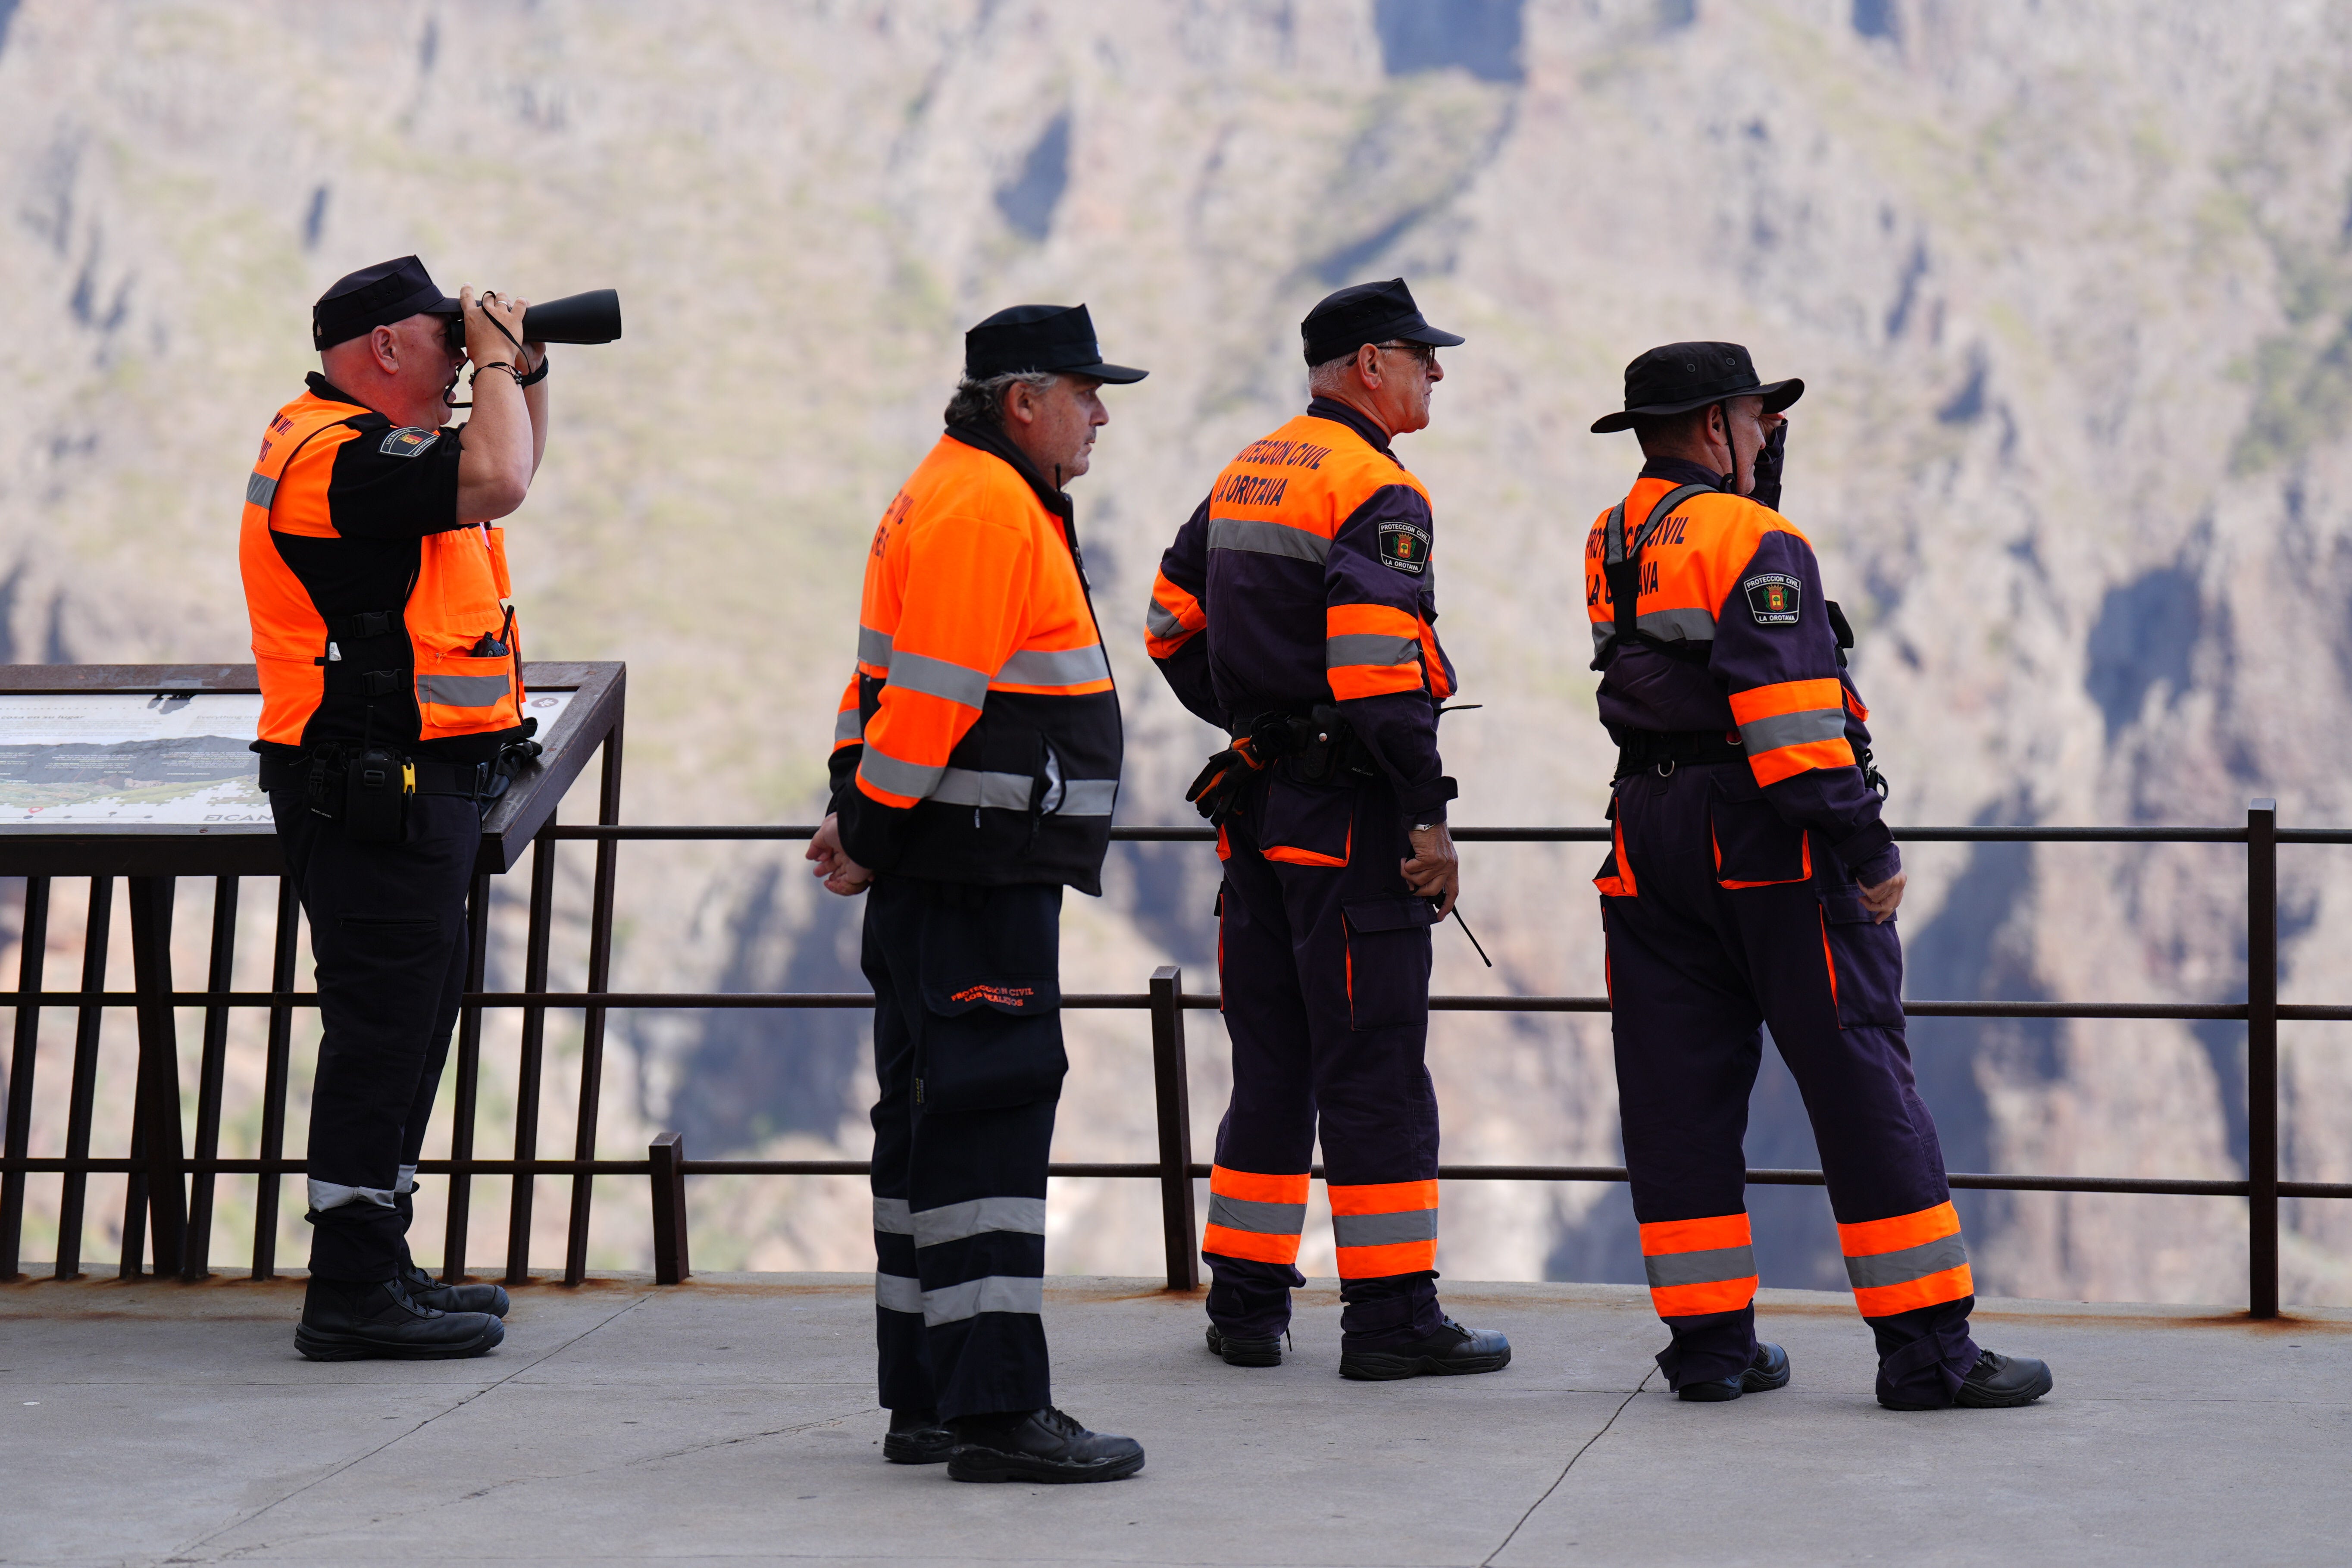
(2072, 287)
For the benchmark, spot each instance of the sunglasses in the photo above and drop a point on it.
(1425, 353)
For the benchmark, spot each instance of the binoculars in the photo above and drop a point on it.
(591, 318)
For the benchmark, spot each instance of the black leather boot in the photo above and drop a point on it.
(1451, 1350)
(379, 1322)
(1768, 1371)
(1243, 1353)
(916, 1437)
(2001, 1381)
(1042, 1445)
(426, 1291)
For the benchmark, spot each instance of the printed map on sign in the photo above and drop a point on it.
(105, 761)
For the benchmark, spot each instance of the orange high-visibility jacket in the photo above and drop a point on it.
(1305, 576)
(1733, 637)
(979, 741)
(367, 595)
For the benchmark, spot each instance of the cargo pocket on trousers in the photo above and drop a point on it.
(993, 994)
(1754, 847)
(1306, 825)
(1865, 960)
(1388, 960)
(1615, 878)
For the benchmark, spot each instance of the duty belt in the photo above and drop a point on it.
(466, 780)
(1638, 751)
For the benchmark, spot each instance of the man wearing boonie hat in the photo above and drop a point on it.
(1751, 881)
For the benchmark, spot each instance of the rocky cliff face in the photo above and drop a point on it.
(2072, 288)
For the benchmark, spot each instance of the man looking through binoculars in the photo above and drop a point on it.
(391, 674)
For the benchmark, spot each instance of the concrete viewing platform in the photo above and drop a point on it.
(731, 1420)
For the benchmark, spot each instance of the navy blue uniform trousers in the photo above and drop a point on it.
(388, 936)
(968, 1054)
(1725, 917)
(1324, 956)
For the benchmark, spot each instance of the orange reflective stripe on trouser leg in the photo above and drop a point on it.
(1384, 1228)
(1911, 1260)
(1255, 1215)
(1699, 1266)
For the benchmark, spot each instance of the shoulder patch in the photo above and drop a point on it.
(1404, 547)
(1773, 598)
(407, 441)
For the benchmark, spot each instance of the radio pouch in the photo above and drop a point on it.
(377, 793)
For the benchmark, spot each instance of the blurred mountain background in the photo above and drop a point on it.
(2071, 287)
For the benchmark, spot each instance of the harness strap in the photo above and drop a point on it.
(1622, 566)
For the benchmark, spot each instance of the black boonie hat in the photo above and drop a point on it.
(1366, 313)
(376, 297)
(1056, 338)
(1679, 377)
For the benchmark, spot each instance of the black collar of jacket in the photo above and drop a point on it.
(998, 445)
(1331, 408)
(326, 391)
(1682, 471)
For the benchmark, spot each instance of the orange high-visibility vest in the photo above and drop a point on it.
(400, 671)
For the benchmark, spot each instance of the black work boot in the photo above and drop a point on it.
(1768, 1371)
(2000, 1382)
(343, 1321)
(916, 1437)
(1450, 1350)
(1239, 1352)
(426, 1291)
(1042, 1445)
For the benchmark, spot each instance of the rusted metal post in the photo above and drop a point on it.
(162, 1154)
(667, 1155)
(285, 946)
(469, 1082)
(212, 1067)
(1173, 1093)
(32, 951)
(534, 1050)
(2262, 1060)
(591, 1028)
(79, 1099)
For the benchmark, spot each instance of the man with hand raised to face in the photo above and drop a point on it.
(1751, 881)
(391, 674)
(1295, 612)
(975, 764)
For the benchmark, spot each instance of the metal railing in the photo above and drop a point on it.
(157, 1166)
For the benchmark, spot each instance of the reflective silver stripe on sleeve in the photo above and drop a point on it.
(1267, 538)
(1088, 797)
(891, 1217)
(1710, 1267)
(1364, 647)
(1884, 1268)
(953, 1222)
(1257, 1218)
(1157, 620)
(464, 690)
(995, 1293)
(260, 488)
(849, 724)
(1762, 735)
(1385, 1229)
(961, 786)
(408, 1181)
(1068, 666)
(938, 677)
(873, 647)
(896, 1293)
(334, 1194)
(1666, 626)
(885, 772)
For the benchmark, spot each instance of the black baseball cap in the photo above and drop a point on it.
(376, 297)
(1056, 338)
(1679, 377)
(1366, 313)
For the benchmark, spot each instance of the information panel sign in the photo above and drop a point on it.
(122, 762)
